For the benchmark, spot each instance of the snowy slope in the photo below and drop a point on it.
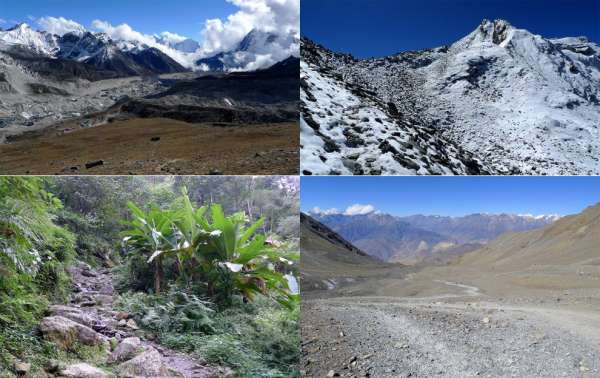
(347, 130)
(125, 58)
(519, 102)
(23, 35)
(522, 102)
(80, 47)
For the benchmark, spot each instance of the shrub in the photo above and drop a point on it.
(258, 339)
(174, 312)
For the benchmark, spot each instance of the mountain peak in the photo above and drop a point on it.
(20, 26)
(256, 36)
(497, 30)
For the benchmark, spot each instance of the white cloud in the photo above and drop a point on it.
(279, 16)
(122, 32)
(3, 21)
(59, 25)
(318, 211)
(358, 209)
(172, 37)
(126, 33)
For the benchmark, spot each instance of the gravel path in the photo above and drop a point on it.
(362, 337)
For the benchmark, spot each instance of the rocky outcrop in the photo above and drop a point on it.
(65, 332)
(84, 371)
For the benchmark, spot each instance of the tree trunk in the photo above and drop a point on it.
(158, 275)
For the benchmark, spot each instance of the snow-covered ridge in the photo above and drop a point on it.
(24, 35)
(258, 49)
(549, 217)
(76, 45)
(520, 103)
(346, 129)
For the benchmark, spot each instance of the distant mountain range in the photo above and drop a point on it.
(159, 55)
(419, 238)
(571, 240)
(39, 51)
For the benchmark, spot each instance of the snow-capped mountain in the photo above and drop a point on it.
(81, 47)
(520, 103)
(24, 35)
(257, 50)
(124, 58)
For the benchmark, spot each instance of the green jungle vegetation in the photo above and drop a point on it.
(206, 266)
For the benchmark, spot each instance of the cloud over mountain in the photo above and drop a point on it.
(280, 16)
(60, 25)
(356, 209)
(124, 32)
(259, 34)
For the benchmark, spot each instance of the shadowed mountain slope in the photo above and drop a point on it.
(326, 256)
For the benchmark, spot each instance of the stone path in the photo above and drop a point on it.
(91, 320)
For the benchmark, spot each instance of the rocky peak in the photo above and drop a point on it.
(496, 31)
(21, 27)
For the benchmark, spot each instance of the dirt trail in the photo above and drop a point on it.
(93, 296)
(446, 336)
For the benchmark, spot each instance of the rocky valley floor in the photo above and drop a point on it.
(151, 146)
(423, 325)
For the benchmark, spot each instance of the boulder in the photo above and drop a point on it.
(65, 332)
(132, 324)
(22, 368)
(147, 364)
(122, 315)
(126, 350)
(84, 371)
(72, 313)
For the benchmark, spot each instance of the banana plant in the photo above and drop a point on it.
(234, 255)
(151, 234)
(223, 251)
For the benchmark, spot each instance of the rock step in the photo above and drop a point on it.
(65, 332)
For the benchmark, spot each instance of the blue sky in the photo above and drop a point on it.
(368, 28)
(184, 17)
(453, 196)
